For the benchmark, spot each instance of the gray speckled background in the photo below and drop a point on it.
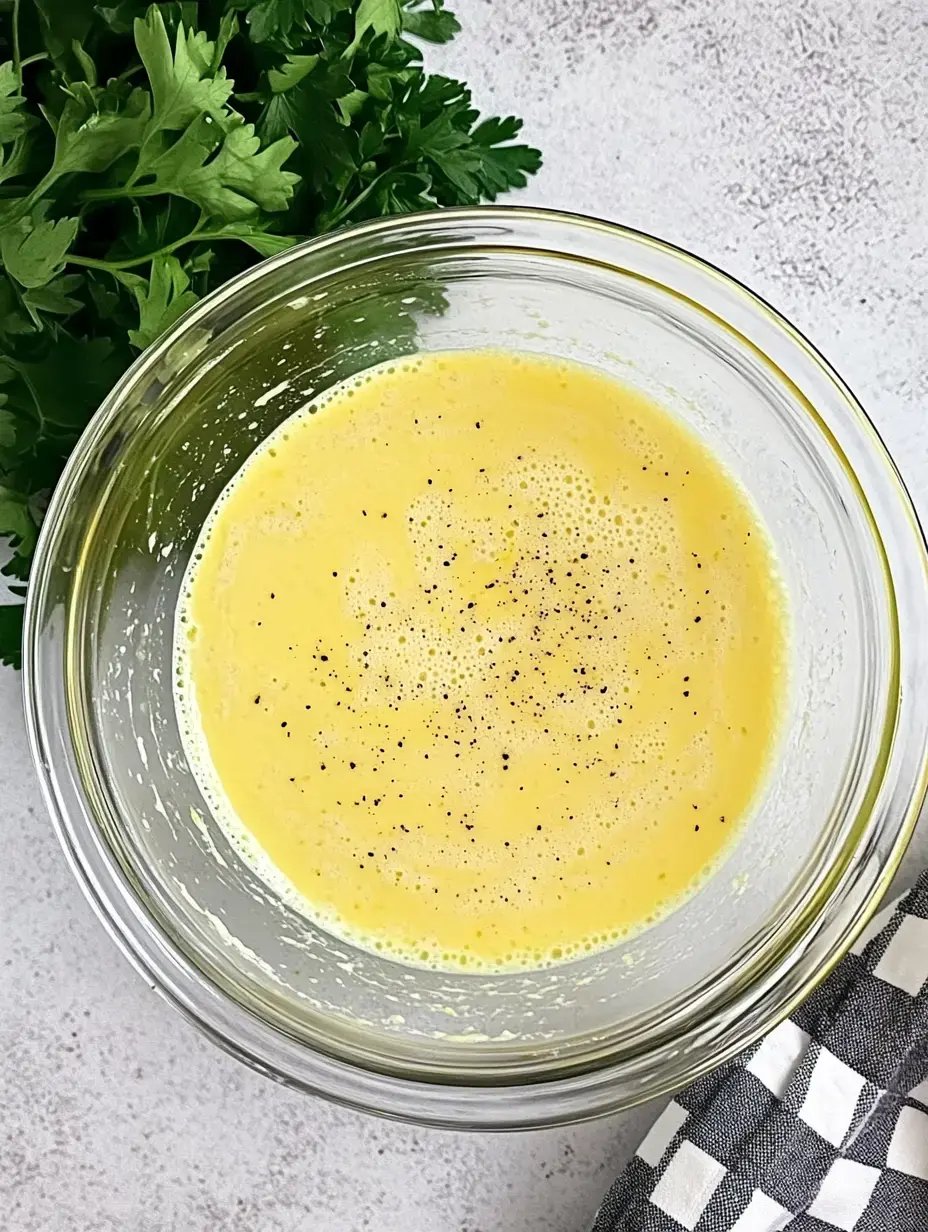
(787, 143)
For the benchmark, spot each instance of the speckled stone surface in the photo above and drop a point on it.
(787, 143)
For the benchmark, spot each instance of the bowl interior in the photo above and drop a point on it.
(184, 423)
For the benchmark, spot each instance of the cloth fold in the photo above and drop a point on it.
(823, 1126)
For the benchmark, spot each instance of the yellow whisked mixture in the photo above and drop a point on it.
(487, 653)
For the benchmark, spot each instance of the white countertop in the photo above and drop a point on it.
(789, 149)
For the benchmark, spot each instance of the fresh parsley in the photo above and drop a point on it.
(149, 152)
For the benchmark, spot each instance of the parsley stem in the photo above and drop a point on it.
(342, 213)
(114, 266)
(17, 58)
(119, 194)
(129, 72)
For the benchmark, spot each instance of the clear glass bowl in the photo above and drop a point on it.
(535, 1048)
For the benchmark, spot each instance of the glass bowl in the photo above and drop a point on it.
(513, 1050)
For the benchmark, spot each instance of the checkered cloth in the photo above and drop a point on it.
(822, 1126)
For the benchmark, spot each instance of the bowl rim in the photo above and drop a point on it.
(564, 1098)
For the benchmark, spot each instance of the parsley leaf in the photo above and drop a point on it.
(63, 22)
(263, 242)
(16, 517)
(161, 299)
(381, 16)
(232, 181)
(62, 395)
(34, 251)
(283, 21)
(428, 20)
(11, 634)
(184, 84)
(95, 128)
(56, 297)
(14, 120)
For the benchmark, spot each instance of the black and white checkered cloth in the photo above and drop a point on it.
(822, 1126)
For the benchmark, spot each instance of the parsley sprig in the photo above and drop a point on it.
(150, 152)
